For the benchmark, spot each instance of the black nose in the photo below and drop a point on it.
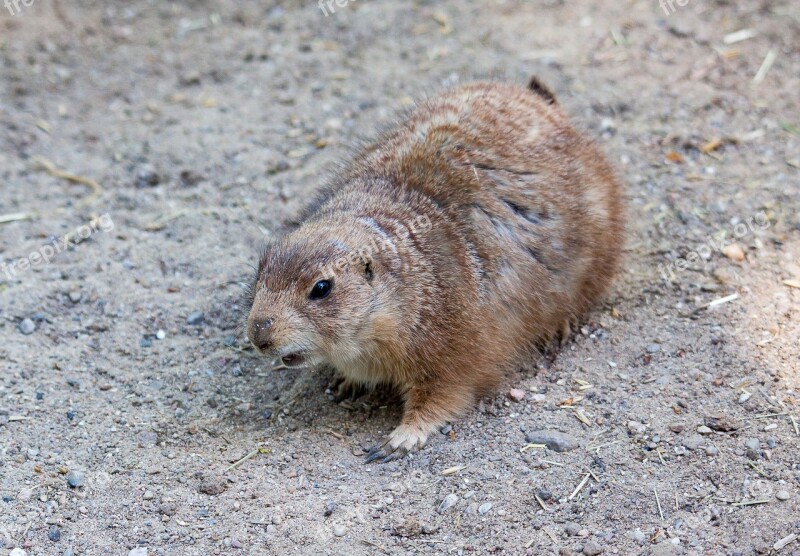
(260, 335)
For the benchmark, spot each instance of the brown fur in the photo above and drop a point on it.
(503, 223)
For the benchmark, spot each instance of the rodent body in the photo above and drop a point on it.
(467, 235)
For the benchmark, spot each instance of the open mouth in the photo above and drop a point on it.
(292, 360)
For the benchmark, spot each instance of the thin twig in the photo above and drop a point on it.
(42, 163)
(766, 416)
(379, 547)
(580, 486)
(658, 503)
(16, 217)
(603, 445)
(751, 502)
(245, 458)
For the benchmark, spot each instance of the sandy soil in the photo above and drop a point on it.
(206, 124)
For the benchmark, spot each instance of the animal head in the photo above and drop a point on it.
(314, 295)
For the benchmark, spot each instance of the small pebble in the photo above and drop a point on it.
(27, 327)
(744, 397)
(339, 530)
(160, 335)
(693, 442)
(484, 508)
(448, 502)
(734, 252)
(653, 348)
(554, 440)
(75, 479)
(195, 318)
(75, 296)
(330, 506)
(516, 395)
(771, 443)
(17, 552)
(148, 495)
(147, 176)
(145, 342)
(712, 451)
(636, 427)
(69, 552)
(704, 430)
(591, 548)
(54, 534)
(212, 485)
(783, 495)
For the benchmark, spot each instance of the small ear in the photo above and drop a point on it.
(542, 90)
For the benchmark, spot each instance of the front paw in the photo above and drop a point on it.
(401, 441)
(343, 389)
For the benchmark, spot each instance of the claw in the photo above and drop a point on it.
(373, 454)
(342, 389)
(397, 454)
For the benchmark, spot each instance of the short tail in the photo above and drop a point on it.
(542, 90)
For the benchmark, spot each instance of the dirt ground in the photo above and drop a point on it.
(133, 418)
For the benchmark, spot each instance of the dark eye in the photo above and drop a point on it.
(321, 290)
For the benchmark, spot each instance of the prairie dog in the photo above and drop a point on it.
(470, 233)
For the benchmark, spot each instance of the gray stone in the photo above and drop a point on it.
(752, 444)
(195, 318)
(635, 427)
(448, 502)
(339, 530)
(26, 327)
(693, 442)
(484, 508)
(76, 479)
(653, 348)
(147, 176)
(591, 548)
(54, 534)
(783, 495)
(554, 440)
